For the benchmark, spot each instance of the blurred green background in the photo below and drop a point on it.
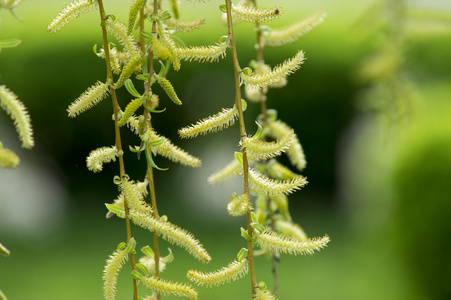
(380, 187)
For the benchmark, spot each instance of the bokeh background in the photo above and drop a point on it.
(376, 131)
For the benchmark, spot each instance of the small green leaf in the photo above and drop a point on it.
(131, 246)
(259, 132)
(239, 157)
(168, 258)
(137, 275)
(155, 17)
(223, 8)
(245, 234)
(242, 254)
(131, 88)
(166, 15)
(148, 251)
(146, 35)
(9, 43)
(156, 143)
(243, 104)
(258, 228)
(121, 246)
(119, 211)
(247, 71)
(13, 13)
(254, 218)
(223, 39)
(117, 180)
(262, 285)
(151, 162)
(142, 267)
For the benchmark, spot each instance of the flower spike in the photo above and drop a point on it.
(246, 13)
(280, 243)
(111, 272)
(255, 81)
(232, 272)
(69, 13)
(18, 113)
(99, 156)
(292, 33)
(213, 123)
(88, 99)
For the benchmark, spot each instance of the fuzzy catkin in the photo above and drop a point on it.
(88, 99)
(111, 272)
(232, 272)
(100, 156)
(18, 113)
(167, 287)
(170, 151)
(69, 13)
(262, 184)
(281, 71)
(280, 243)
(173, 234)
(217, 122)
(293, 32)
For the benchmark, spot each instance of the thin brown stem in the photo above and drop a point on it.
(264, 110)
(118, 141)
(147, 120)
(237, 71)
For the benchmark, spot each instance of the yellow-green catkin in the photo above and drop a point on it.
(8, 159)
(100, 156)
(69, 13)
(291, 33)
(280, 243)
(18, 113)
(232, 272)
(166, 287)
(111, 272)
(88, 99)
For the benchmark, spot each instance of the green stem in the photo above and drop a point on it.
(118, 142)
(237, 71)
(149, 175)
(264, 110)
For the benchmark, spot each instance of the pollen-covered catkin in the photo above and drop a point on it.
(217, 122)
(173, 234)
(204, 54)
(168, 88)
(239, 205)
(225, 173)
(280, 243)
(69, 13)
(99, 156)
(261, 150)
(166, 287)
(290, 34)
(181, 25)
(232, 272)
(246, 13)
(281, 71)
(295, 153)
(170, 151)
(88, 99)
(111, 272)
(8, 159)
(18, 113)
(261, 184)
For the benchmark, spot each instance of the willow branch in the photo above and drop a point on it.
(237, 71)
(118, 142)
